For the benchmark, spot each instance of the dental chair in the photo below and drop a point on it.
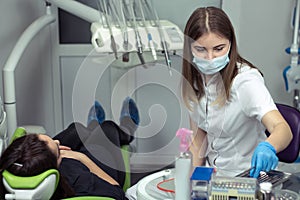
(42, 186)
(39, 187)
(292, 116)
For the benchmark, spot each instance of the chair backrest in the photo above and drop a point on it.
(292, 116)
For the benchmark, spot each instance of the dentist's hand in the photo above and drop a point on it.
(264, 159)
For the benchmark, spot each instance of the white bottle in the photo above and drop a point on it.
(183, 166)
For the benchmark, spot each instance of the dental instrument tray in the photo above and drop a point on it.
(273, 176)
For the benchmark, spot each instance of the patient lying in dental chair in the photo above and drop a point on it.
(89, 159)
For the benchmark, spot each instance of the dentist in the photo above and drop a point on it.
(229, 94)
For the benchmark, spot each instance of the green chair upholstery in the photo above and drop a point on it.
(30, 182)
(126, 158)
(19, 132)
(41, 186)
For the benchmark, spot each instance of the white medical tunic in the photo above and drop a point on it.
(234, 129)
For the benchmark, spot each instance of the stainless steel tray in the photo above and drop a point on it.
(273, 176)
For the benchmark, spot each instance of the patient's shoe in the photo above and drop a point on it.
(96, 113)
(129, 120)
(129, 109)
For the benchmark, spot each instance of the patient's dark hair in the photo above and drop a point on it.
(29, 156)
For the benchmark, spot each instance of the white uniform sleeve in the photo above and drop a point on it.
(253, 95)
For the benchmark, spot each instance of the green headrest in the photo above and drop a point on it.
(29, 182)
(19, 132)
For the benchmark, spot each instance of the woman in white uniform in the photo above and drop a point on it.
(229, 103)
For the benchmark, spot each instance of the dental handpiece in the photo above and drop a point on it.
(162, 38)
(149, 36)
(139, 44)
(167, 57)
(125, 56)
(113, 42)
(140, 51)
(152, 47)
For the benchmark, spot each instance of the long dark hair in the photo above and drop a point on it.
(208, 20)
(30, 156)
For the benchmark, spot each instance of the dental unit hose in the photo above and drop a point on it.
(121, 23)
(149, 35)
(139, 44)
(113, 42)
(125, 56)
(163, 40)
(183, 166)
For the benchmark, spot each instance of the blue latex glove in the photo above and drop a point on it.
(264, 159)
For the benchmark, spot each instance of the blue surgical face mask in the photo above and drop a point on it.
(211, 66)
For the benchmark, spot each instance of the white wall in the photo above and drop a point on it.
(264, 31)
(33, 73)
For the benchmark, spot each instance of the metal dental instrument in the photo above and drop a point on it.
(122, 25)
(125, 56)
(162, 37)
(113, 42)
(149, 35)
(139, 45)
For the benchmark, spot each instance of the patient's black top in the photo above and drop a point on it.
(101, 144)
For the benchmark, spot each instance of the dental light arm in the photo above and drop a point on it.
(11, 64)
(87, 13)
(84, 12)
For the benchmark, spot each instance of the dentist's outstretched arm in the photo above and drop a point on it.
(264, 157)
